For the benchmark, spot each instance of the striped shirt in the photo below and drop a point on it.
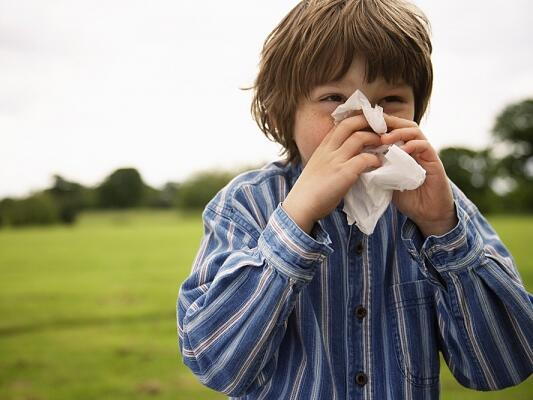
(270, 312)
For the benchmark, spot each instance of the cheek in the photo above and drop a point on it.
(405, 112)
(309, 132)
(320, 129)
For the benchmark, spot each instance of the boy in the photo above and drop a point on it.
(285, 299)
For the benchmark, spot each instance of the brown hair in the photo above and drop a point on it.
(316, 43)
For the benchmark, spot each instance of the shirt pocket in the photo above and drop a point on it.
(415, 331)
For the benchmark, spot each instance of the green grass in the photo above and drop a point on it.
(87, 312)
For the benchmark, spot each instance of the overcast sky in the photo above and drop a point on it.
(90, 86)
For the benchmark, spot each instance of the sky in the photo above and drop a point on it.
(87, 87)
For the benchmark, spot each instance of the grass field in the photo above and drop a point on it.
(87, 312)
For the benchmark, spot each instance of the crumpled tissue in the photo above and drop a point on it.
(368, 199)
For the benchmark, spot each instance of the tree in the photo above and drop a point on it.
(68, 197)
(514, 127)
(124, 188)
(195, 193)
(156, 198)
(170, 193)
(472, 171)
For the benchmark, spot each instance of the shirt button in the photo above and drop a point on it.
(359, 248)
(361, 378)
(360, 312)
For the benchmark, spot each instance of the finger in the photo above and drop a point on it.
(420, 149)
(405, 134)
(354, 144)
(397, 122)
(361, 163)
(347, 127)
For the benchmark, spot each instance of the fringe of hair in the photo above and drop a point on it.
(316, 43)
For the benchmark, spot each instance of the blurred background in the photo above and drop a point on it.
(120, 119)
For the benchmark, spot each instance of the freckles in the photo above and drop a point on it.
(404, 113)
(320, 129)
(313, 124)
(326, 126)
(318, 122)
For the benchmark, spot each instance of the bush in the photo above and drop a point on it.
(197, 191)
(38, 209)
(164, 198)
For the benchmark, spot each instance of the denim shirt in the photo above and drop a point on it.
(270, 312)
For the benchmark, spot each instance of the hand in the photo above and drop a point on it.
(431, 205)
(331, 171)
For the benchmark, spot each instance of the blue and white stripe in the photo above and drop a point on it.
(268, 310)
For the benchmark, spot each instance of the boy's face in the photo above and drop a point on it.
(313, 115)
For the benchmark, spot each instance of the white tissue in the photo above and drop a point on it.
(368, 199)
(358, 101)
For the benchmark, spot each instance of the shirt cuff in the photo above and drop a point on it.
(292, 251)
(460, 248)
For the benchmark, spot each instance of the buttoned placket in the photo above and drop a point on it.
(358, 286)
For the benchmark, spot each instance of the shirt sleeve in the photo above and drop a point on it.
(233, 308)
(485, 315)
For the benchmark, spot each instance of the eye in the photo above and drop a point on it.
(336, 98)
(393, 99)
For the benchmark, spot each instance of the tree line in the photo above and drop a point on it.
(122, 189)
(497, 179)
